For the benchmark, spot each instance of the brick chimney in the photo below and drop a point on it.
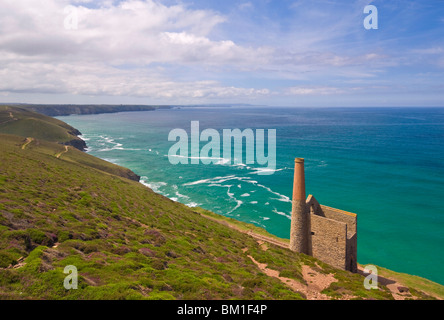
(300, 223)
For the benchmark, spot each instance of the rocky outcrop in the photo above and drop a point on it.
(76, 143)
(132, 176)
(64, 110)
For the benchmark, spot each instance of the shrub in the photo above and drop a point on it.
(64, 235)
(39, 237)
(6, 259)
(8, 277)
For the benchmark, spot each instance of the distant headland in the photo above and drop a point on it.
(54, 110)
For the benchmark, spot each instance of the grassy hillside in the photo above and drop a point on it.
(25, 123)
(58, 208)
(42, 132)
(67, 109)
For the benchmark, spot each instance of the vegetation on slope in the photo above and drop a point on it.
(125, 240)
(26, 123)
(67, 109)
(58, 208)
(41, 130)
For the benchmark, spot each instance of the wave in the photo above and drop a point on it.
(155, 186)
(83, 137)
(114, 161)
(115, 145)
(260, 171)
(282, 197)
(212, 180)
(282, 213)
(216, 160)
(176, 188)
(192, 204)
(217, 181)
(228, 162)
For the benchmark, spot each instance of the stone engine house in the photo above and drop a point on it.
(325, 233)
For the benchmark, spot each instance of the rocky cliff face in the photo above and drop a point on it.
(64, 110)
(133, 176)
(76, 143)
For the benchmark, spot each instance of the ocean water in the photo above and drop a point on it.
(385, 164)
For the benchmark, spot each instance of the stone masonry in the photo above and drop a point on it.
(325, 233)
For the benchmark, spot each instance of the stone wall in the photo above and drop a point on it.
(333, 235)
(340, 215)
(351, 263)
(329, 240)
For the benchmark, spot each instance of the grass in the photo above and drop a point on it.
(414, 283)
(239, 224)
(126, 241)
(25, 123)
(66, 109)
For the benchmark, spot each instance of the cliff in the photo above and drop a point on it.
(54, 110)
(44, 130)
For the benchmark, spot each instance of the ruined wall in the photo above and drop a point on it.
(351, 263)
(340, 215)
(333, 235)
(352, 244)
(329, 240)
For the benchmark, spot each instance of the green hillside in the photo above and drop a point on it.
(25, 123)
(60, 206)
(67, 109)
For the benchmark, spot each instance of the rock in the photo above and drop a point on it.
(403, 289)
(76, 143)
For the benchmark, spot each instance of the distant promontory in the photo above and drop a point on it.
(54, 110)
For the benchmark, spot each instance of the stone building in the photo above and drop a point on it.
(325, 233)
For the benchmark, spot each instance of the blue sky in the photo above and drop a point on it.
(286, 52)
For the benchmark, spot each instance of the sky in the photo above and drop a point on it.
(304, 53)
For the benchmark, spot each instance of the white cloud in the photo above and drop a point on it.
(140, 32)
(98, 80)
(245, 5)
(314, 90)
(177, 53)
(39, 55)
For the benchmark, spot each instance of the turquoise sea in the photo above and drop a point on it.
(385, 164)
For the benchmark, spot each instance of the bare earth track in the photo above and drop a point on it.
(315, 281)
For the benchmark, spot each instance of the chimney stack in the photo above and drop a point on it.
(300, 224)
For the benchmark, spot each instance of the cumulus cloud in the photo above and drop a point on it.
(313, 91)
(176, 53)
(113, 48)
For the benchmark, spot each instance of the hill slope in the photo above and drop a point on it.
(127, 242)
(26, 123)
(40, 130)
(67, 109)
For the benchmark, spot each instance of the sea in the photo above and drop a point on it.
(384, 164)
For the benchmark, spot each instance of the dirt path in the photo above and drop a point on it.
(62, 152)
(255, 235)
(12, 118)
(316, 282)
(28, 141)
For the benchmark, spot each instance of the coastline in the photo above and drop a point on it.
(252, 230)
(54, 110)
(100, 189)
